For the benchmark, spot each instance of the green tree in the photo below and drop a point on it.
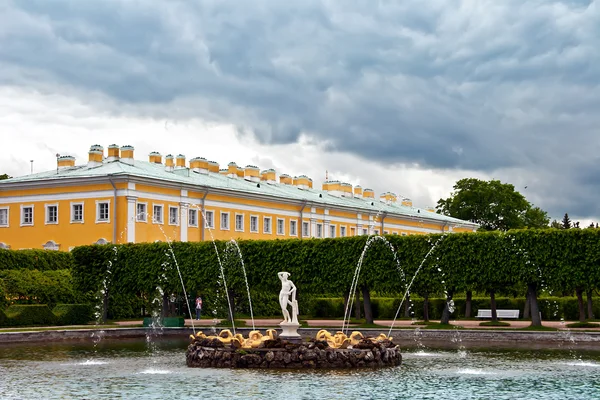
(5, 176)
(491, 204)
(555, 224)
(566, 222)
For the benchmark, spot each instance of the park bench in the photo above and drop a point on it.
(501, 314)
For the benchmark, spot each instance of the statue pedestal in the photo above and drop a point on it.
(289, 332)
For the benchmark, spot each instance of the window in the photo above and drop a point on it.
(4, 216)
(26, 215)
(193, 218)
(342, 231)
(173, 216)
(365, 232)
(141, 212)
(210, 219)
(319, 230)
(305, 231)
(377, 231)
(253, 223)
(403, 233)
(394, 233)
(102, 208)
(157, 214)
(239, 222)
(331, 231)
(386, 233)
(267, 225)
(293, 228)
(77, 212)
(225, 221)
(352, 231)
(52, 214)
(280, 226)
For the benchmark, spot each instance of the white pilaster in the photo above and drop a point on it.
(183, 221)
(131, 218)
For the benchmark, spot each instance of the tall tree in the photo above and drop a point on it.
(555, 224)
(566, 222)
(491, 204)
(5, 176)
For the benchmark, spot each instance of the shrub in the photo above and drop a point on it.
(73, 314)
(30, 314)
(42, 260)
(3, 319)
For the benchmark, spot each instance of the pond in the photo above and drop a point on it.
(157, 370)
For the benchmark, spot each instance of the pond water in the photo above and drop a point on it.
(134, 369)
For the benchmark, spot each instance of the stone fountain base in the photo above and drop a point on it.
(284, 354)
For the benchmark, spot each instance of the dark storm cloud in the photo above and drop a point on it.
(475, 85)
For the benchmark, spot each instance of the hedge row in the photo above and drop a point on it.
(552, 308)
(42, 260)
(40, 314)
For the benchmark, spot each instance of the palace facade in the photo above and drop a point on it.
(114, 198)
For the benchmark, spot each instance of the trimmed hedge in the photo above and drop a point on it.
(30, 314)
(73, 314)
(43, 260)
(3, 319)
(31, 286)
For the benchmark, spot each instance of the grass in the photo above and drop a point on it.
(586, 324)
(494, 323)
(537, 328)
(70, 328)
(437, 325)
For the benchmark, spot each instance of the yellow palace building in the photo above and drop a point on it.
(114, 198)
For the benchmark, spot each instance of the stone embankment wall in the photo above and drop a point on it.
(310, 355)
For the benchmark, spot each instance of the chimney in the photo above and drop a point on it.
(303, 182)
(252, 173)
(406, 202)
(346, 189)
(127, 154)
(232, 170)
(358, 192)
(268, 175)
(334, 188)
(155, 157)
(169, 163)
(388, 198)
(96, 156)
(285, 179)
(180, 161)
(113, 153)
(368, 194)
(66, 162)
(430, 209)
(213, 166)
(199, 165)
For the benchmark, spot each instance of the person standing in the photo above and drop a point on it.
(198, 307)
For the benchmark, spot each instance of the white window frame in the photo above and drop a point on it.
(305, 233)
(23, 207)
(73, 220)
(294, 230)
(332, 230)
(141, 216)
(365, 231)
(222, 214)
(319, 230)
(255, 218)
(161, 214)
(47, 214)
(282, 230)
(102, 221)
(176, 223)
(209, 224)
(241, 228)
(343, 232)
(192, 224)
(269, 225)
(7, 224)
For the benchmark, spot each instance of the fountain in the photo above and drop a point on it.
(288, 350)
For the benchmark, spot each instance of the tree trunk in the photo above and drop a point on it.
(426, 307)
(469, 304)
(536, 320)
(357, 305)
(493, 306)
(527, 310)
(579, 293)
(590, 305)
(367, 305)
(446, 312)
(407, 306)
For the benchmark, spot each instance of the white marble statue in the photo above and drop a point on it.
(288, 289)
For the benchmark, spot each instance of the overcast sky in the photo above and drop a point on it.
(402, 96)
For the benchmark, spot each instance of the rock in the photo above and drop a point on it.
(269, 356)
